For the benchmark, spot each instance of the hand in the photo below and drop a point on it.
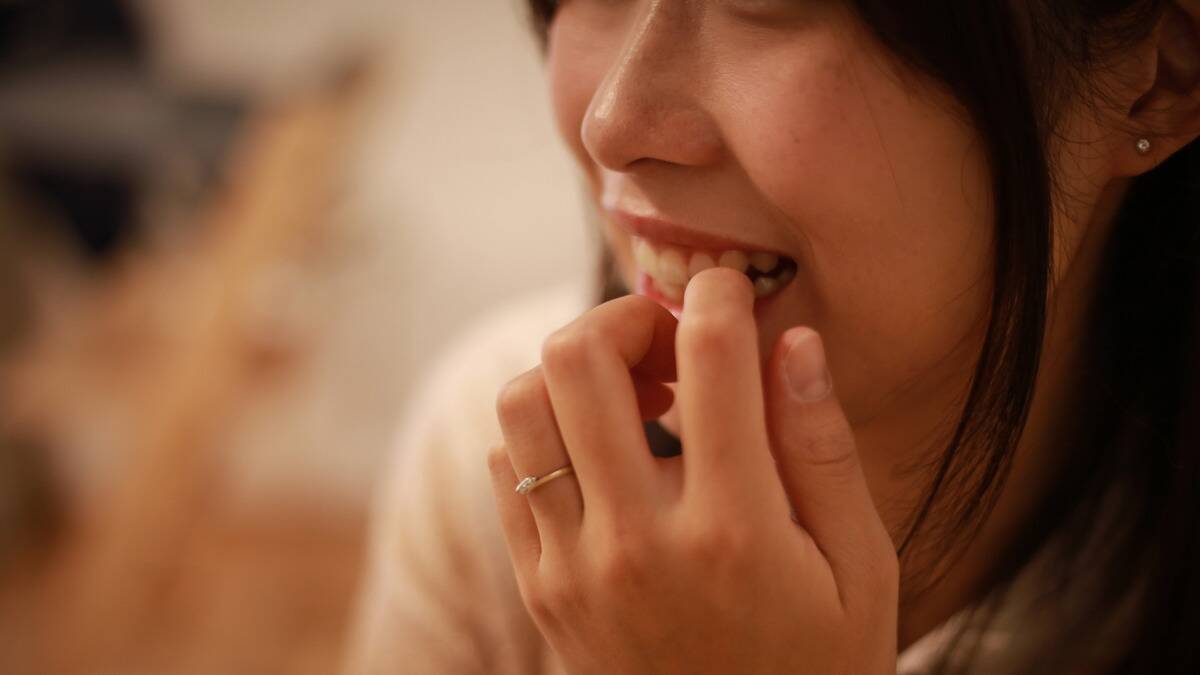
(693, 564)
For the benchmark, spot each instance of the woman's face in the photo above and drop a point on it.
(780, 127)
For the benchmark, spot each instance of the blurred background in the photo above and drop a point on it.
(232, 235)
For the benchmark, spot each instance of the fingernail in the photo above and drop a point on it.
(804, 366)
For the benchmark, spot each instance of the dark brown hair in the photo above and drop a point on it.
(1134, 438)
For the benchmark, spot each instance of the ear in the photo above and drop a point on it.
(1167, 111)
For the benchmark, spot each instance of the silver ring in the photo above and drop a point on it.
(530, 483)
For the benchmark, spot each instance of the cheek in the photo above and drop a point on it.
(846, 155)
(886, 195)
(577, 61)
(570, 93)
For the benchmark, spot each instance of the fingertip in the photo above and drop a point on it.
(788, 340)
(802, 364)
(716, 285)
(796, 334)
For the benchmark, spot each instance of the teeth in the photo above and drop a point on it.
(671, 268)
(645, 258)
(765, 286)
(673, 292)
(764, 262)
(735, 260)
(699, 263)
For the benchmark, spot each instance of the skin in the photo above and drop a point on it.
(786, 125)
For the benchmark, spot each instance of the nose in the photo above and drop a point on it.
(649, 107)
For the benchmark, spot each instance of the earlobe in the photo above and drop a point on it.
(1166, 117)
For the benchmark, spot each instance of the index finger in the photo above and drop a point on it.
(720, 393)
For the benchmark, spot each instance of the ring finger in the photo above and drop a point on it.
(536, 448)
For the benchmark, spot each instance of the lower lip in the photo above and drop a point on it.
(645, 286)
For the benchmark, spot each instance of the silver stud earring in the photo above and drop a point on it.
(1143, 146)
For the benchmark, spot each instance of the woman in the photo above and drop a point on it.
(915, 285)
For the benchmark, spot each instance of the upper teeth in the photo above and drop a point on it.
(764, 262)
(672, 268)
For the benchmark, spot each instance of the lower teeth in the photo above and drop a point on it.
(767, 284)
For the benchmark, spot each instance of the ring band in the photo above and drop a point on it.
(530, 483)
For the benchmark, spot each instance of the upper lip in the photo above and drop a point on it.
(649, 227)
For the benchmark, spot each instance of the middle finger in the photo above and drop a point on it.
(720, 394)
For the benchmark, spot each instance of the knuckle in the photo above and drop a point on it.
(832, 455)
(828, 444)
(520, 397)
(633, 304)
(568, 349)
(538, 605)
(497, 459)
(622, 565)
(558, 594)
(720, 546)
(715, 335)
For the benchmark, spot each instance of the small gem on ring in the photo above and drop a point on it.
(526, 485)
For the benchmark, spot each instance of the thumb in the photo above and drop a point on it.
(818, 463)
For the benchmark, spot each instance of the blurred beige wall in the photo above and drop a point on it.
(459, 198)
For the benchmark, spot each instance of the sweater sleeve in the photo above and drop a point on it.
(439, 594)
